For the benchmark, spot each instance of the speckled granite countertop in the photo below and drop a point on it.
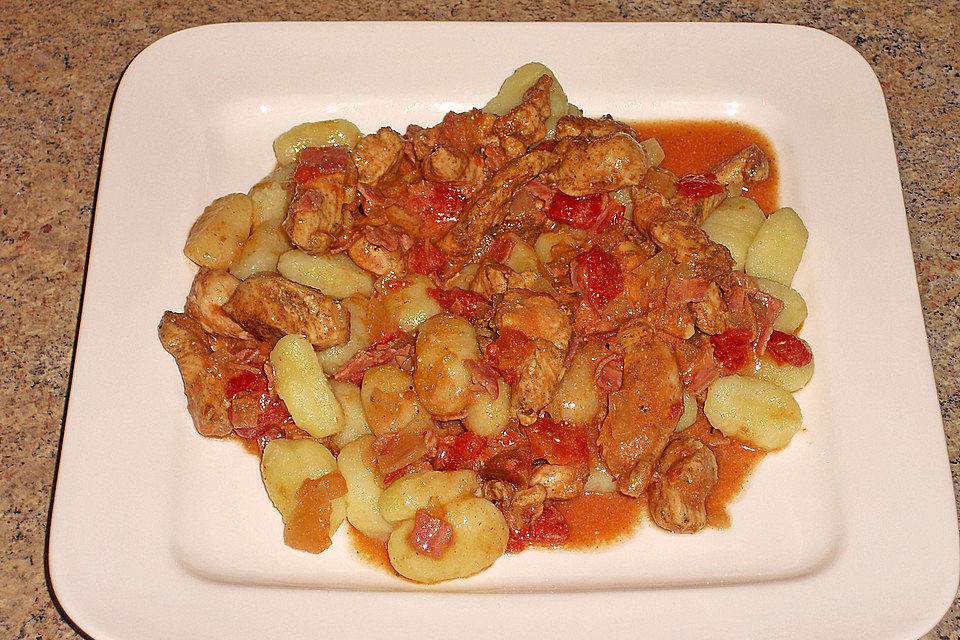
(60, 63)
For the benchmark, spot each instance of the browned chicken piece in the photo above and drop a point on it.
(323, 207)
(598, 165)
(687, 474)
(525, 124)
(688, 245)
(520, 507)
(537, 315)
(525, 217)
(561, 481)
(270, 307)
(203, 372)
(376, 259)
(492, 278)
(210, 290)
(467, 132)
(445, 165)
(537, 377)
(469, 238)
(644, 412)
(577, 126)
(749, 166)
(734, 173)
(378, 155)
(710, 313)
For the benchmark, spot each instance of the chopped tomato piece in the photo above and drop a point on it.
(246, 381)
(578, 212)
(786, 347)
(558, 442)
(549, 530)
(696, 186)
(507, 353)
(468, 304)
(457, 452)
(597, 276)
(733, 348)
(425, 258)
(437, 205)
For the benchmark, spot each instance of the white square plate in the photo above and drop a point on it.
(849, 532)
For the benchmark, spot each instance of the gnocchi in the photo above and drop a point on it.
(326, 133)
(440, 375)
(777, 248)
(404, 496)
(754, 410)
(409, 305)
(304, 388)
(336, 275)
(216, 238)
(734, 224)
(286, 464)
(364, 488)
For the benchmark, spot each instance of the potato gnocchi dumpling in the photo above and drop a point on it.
(784, 375)
(734, 224)
(285, 465)
(335, 275)
(440, 374)
(794, 306)
(512, 90)
(354, 420)
(326, 133)
(304, 388)
(271, 196)
(390, 402)
(261, 251)
(401, 499)
(409, 304)
(364, 488)
(216, 238)
(754, 410)
(777, 248)
(488, 416)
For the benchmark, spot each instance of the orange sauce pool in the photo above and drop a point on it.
(696, 146)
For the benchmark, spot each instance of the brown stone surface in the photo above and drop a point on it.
(60, 63)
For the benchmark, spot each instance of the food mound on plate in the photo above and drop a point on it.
(445, 335)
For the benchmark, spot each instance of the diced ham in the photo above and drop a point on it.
(398, 350)
(386, 236)
(609, 375)
(372, 196)
(483, 377)
(309, 200)
(431, 536)
(683, 290)
(327, 160)
(501, 249)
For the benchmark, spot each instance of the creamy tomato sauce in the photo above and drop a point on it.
(693, 146)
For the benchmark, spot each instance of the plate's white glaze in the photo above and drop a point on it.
(850, 532)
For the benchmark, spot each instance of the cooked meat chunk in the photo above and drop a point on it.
(204, 373)
(537, 315)
(525, 123)
(325, 200)
(561, 481)
(445, 165)
(749, 166)
(469, 238)
(710, 312)
(688, 245)
(467, 132)
(270, 307)
(210, 290)
(644, 412)
(576, 126)
(598, 165)
(492, 279)
(378, 155)
(687, 474)
(520, 507)
(375, 258)
(537, 377)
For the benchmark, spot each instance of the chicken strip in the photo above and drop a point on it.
(210, 290)
(469, 238)
(598, 165)
(270, 307)
(644, 412)
(687, 474)
(204, 373)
